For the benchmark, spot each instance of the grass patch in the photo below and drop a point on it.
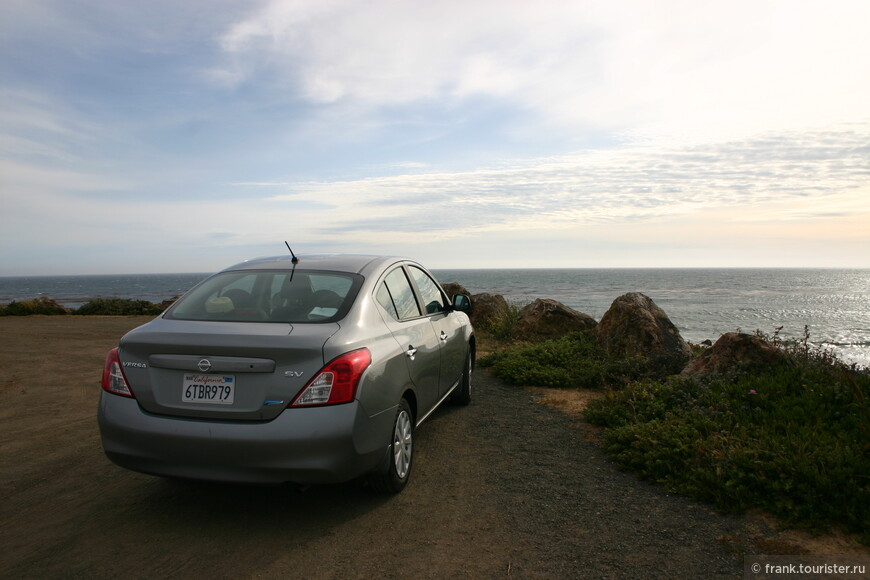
(501, 326)
(573, 361)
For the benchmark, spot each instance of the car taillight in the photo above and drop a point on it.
(114, 380)
(337, 381)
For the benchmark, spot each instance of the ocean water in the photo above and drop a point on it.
(705, 303)
(74, 291)
(834, 304)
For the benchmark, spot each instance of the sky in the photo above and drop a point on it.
(186, 136)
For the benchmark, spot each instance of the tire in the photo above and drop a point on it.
(462, 395)
(394, 475)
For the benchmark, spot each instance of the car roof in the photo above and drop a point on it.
(356, 263)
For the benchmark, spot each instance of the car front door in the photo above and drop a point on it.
(416, 336)
(447, 326)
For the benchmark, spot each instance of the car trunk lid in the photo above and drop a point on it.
(221, 370)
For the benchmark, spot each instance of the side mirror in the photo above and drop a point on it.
(462, 303)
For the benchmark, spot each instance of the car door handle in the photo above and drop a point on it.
(411, 352)
(443, 336)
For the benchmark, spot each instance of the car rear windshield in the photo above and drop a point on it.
(269, 296)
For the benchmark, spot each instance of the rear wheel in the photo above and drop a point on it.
(394, 476)
(462, 394)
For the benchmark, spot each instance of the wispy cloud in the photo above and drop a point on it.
(777, 179)
(609, 186)
(34, 125)
(261, 183)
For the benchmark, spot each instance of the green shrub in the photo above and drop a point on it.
(45, 306)
(502, 324)
(571, 361)
(118, 307)
(794, 441)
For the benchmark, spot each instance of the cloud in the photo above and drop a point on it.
(720, 203)
(261, 183)
(36, 126)
(673, 68)
(818, 175)
(369, 125)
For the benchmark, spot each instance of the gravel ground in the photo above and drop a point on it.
(580, 516)
(503, 488)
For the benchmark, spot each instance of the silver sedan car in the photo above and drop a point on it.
(309, 370)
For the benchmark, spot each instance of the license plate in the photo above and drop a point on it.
(214, 389)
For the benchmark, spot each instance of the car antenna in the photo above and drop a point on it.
(294, 261)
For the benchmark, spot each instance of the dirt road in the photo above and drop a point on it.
(504, 488)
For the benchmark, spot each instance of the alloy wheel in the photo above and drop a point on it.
(402, 444)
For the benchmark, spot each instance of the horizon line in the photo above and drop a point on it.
(469, 269)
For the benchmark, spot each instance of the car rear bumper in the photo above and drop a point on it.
(307, 446)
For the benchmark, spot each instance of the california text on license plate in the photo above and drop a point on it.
(215, 389)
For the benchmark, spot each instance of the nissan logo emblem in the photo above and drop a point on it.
(204, 365)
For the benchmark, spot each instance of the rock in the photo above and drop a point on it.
(167, 303)
(733, 350)
(635, 326)
(546, 318)
(487, 307)
(454, 288)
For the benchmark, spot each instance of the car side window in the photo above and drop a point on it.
(385, 300)
(400, 294)
(432, 297)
